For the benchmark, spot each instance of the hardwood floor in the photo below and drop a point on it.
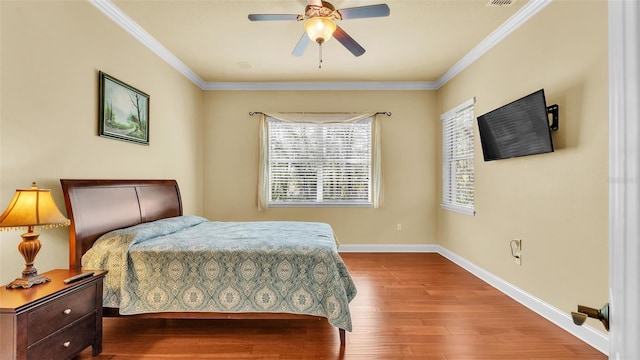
(409, 306)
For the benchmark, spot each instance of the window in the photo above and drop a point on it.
(319, 164)
(457, 158)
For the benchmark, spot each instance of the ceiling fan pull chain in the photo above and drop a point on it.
(320, 60)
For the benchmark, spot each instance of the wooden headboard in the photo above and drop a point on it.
(96, 207)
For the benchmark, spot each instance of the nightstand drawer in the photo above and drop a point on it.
(65, 343)
(61, 312)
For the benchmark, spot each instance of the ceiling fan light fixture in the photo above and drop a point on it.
(320, 29)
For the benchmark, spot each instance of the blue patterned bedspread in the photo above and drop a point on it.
(190, 264)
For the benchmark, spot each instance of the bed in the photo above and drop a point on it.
(165, 264)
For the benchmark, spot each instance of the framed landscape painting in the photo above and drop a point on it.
(123, 111)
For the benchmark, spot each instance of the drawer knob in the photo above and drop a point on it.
(67, 343)
(67, 311)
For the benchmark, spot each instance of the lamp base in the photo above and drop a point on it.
(28, 281)
(29, 248)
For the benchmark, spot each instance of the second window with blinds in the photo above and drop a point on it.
(457, 158)
(319, 164)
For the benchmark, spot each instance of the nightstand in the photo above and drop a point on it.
(53, 320)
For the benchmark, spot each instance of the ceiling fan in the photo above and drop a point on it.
(320, 24)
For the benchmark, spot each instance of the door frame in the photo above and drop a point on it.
(624, 179)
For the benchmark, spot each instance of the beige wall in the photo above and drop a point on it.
(556, 203)
(409, 160)
(51, 54)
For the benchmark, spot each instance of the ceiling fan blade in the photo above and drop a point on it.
(364, 12)
(302, 45)
(348, 42)
(276, 17)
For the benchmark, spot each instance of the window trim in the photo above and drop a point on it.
(314, 204)
(445, 164)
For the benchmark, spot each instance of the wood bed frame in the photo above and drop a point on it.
(96, 207)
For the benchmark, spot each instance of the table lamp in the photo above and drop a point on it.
(28, 209)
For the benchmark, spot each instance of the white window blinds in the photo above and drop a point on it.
(457, 158)
(315, 164)
(318, 164)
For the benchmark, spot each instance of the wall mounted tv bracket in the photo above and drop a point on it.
(553, 110)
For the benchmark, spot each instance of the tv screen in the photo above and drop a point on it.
(519, 128)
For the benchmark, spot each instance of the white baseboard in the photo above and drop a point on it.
(390, 248)
(586, 333)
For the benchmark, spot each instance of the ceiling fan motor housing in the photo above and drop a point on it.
(327, 10)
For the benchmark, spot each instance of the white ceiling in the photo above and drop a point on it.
(213, 42)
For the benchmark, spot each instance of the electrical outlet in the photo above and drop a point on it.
(399, 227)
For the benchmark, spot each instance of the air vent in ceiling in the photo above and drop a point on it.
(500, 3)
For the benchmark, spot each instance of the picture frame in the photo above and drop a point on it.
(123, 111)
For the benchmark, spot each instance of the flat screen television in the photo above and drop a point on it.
(519, 128)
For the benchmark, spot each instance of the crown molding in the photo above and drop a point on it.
(119, 17)
(530, 9)
(525, 13)
(298, 86)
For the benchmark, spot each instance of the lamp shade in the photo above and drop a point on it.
(30, 208)
(320, 29)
